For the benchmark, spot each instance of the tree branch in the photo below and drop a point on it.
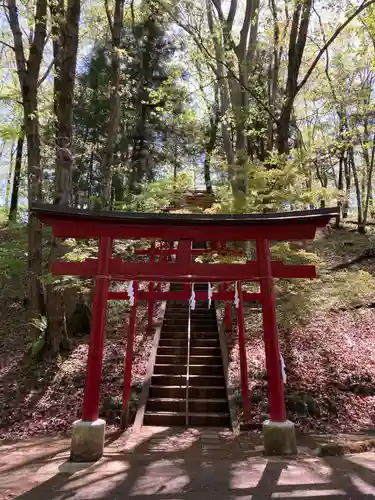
(110, 23)
(18, 41)
(47, 72)
(201, 46)
(231, 13)
(245, 30)
(7, 45)
(329, 42)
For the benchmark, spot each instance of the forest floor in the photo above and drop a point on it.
(328, 351)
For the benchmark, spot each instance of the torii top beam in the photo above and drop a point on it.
(81, 223)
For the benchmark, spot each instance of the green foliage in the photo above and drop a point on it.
(41, 325)
(348, 288)
(162, 193)
(13, 250)
(274, 185)
(8, 132)
(299, 299)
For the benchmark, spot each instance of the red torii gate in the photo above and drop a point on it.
(88, 433)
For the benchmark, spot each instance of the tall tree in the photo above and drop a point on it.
(28, 69)
(65, 52)
(115, 24)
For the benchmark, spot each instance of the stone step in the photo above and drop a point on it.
(200, 305)
(206, 380)
(205, 360)
(162, 379)
(166, 404)
(184, 329)
(204, 335)
(175, 369)
(178, 419)
(195, 405)
(173, 391)
(180, 320)
(208, 392)
(173, 335)
(172, 350)
(170, 369)
(171, 359)
(204, 350)
(182, 360)
(194, 380)
(177, 311)
(164, 419)
(165, 391)
(208, 405)
(204, 342)
(206, 370)
(173, 342)
(184, 335)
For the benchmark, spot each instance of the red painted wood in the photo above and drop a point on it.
(151, 286)
(182, 271)
(194, 251)
(274, 376)
(243, 360)
(95, 356)
(128, 359)
(184, 253)
(183, 295)
(95, 229)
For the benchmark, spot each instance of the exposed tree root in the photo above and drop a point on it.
(369, 253)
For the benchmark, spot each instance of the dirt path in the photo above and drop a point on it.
(161, 464)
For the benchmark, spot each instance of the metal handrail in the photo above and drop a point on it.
(188, 367)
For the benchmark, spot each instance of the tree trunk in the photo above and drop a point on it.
(56, 335)
(114, 102)
(17, 177)
(208, 153)
(28, 74)
(35, 237)
(340, 188)
(369, 183)
(345, 208)
(222, 80)
(10, 175)
(361, 227)
(297, 42)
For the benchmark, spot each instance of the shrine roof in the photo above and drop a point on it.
(317, 216)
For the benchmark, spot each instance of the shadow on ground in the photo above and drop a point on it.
(188, 464)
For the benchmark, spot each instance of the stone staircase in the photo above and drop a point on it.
(175, 394)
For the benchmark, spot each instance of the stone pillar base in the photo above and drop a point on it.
(279, 438)
(87, 441)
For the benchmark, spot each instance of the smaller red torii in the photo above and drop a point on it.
(184, 228)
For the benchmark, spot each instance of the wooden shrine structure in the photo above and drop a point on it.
(171, 258)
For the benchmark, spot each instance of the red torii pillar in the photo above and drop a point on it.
(128, 360)
(151, 287)
(271, 342)
(88, 433)
(243, 356)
